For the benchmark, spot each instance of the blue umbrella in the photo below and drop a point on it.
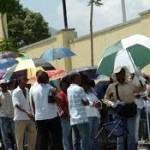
(7, 62)
(56, 53)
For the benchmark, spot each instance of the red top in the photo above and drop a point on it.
(63, 108)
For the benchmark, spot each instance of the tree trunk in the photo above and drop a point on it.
(3, 25)
(91, 34)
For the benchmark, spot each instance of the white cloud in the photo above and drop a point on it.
(136, 6)
(105, 16)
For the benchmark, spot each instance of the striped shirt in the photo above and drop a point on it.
(77, 111)
(6, 106)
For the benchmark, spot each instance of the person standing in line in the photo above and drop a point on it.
(6, 116)
(24, 120)
(122, 91)
(33, 86)
(78, 118)
(48, 124)
(64, 116)
(138, 100)
(93, 114)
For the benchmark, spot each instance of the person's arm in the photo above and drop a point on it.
(29, 114)
(23, 110)
(139, 89)
(85, 101)
(54, 93)
(97, 103)
(31, 102)
(17, 105)
(109, 97)
(139, 84)
(32, 106)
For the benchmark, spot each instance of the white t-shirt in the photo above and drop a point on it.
(43, 109)
(90, 110)
(32, 86)
(18, 98)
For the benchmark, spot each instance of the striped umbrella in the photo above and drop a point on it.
(132, 52)
(27, 68)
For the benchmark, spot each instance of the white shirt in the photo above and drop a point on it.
(90, 110)
(32, 86)
(18, 98)
(6, 106)
(43, 109)
(77, 111)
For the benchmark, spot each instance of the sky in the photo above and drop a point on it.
(78, 13)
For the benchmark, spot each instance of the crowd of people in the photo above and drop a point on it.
(67, 116)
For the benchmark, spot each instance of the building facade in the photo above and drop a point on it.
(81, 45)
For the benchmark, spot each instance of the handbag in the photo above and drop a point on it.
(51, 98)
(127, 110)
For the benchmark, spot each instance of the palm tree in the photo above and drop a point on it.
(91, 3)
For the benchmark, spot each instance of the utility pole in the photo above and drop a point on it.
(91, 33)
(65, 14)
(123, 11)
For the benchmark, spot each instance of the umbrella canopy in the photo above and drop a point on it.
(7, 62)
(26, 67)
(10, 54)
(56, 53)
(88, 71)
(38, 62)
(52, 74)
(55, 74)
(132, 52)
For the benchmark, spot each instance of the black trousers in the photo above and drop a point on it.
(49, 133)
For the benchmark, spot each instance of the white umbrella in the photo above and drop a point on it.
(130, 52)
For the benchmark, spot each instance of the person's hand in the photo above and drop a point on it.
(115, 104)
(97, 104)
(31, 116)
(85, 103)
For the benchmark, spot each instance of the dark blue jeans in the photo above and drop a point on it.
(67, 133)
(94, 123)
(81, 136)
(6, 125)
(131, 137)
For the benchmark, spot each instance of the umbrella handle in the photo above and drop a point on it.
(135, 68)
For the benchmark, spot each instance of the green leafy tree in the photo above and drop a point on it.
(24, 26)
(27, 27)
(8, 45)
(8, 7)
(92, 3)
